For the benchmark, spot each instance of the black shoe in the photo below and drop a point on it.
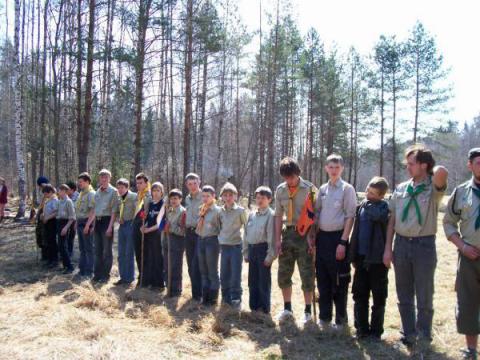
(96, 279)
(213, 297)
(119, 282)
(67, 271)
(205, 297)
(409, 342)
(470, 354)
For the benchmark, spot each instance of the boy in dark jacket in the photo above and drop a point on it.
(367, 248)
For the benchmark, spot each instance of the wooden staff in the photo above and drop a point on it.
(169, 266)
(141, 252)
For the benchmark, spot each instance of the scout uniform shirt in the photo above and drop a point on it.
(105, 201)
(416, 224)
(464, 207)
(125, 206)
(260, 229)
(174, 220)
(211, 226)
(289, 206)
(85, 203)
(51, 206)
(66, 209)
(232, 220)
(335, 203)
(192, 205)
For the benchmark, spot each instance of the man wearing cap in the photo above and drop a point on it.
(105, 213)
(462, 227)
(414, 207)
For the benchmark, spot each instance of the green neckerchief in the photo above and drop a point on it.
(413, 193)
(477, 222)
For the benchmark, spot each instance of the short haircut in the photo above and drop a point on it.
(335, 158)
(64, 187)
(72, 185)
(123, 182)
(422, 155)
(208, 189)
(142, 176)
(229, 187)
(264, 191)
(192, 176)
(379, 183)
(158, 185)
(48, 188)
(85, 176)
(175, 192)
(105, 172)
(289, 167)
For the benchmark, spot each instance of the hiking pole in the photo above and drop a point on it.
(169, 266)
(142, 252)
(314, 300)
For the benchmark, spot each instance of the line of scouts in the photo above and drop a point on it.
(322, 230)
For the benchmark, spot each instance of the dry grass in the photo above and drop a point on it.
(45, 315)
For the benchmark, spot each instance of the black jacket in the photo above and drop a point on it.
(378, 214)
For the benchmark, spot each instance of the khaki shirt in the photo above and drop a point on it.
(260, 229)
(232, 221)
(211, 226)
(128, 207)
(66, 209)
(463, 208)
(281, 200)
(428, 201)
(192, 205)
(85, 203)
(335, 203)
(105, 201)
(174, 220)
(50, 207)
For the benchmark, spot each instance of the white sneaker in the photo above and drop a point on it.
(284, 315)
(324, 325)
(307, 318)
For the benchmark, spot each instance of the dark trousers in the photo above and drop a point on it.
(39, 238)
(152, 261)
(71, 239)
(259, 278)
(333, 277)
(137, 237)
(208, 253)
(191, 240)
(63, 243)
(103, 249)
(371, 278)
(177, 248)
(231, 273)
(126, 262)
(85, 245)
(50, 241)
(414, 261)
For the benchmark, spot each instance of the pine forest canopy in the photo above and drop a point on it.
(168, 87)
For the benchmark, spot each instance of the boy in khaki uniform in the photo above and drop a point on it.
(292, 247)
(464, 209)
(414, 209)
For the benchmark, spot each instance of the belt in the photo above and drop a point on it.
(192, 228)
(417, 238)
(291, 227)
(258, 244)
(100, 218)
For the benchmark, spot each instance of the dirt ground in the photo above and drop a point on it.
(45, 315)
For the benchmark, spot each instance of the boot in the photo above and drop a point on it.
(213, 297)
(205, 297)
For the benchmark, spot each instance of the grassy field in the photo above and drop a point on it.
(45, 315)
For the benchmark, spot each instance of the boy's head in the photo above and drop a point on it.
(175, 197)
(192, 182)
(157, 190)
(334, 166)
(72, 187)
(63, 191)
(141, 181)
(84, 180)
(377, 188)
(48, 190)
(104, 177)
(208, 194)
(122, 186)
(263, 197)
(474, 163)
(290, 171)
(419, 161)
(229, 193)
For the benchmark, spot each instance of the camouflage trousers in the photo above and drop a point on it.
(295, 250)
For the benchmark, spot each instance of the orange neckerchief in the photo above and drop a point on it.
(291, 196)
(204, 208)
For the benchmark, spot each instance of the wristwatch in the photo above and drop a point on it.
(343, 242)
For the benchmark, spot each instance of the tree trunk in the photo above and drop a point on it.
(188, 88)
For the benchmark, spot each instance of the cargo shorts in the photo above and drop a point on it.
(295, 250)
(467, 287)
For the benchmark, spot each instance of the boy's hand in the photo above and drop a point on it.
(311, 244)
(64, 231)
(278, 247)
(340, 255)
(470, 252)
(267, 263)
(387, 258)
(109, 232)
(86, 230)
(245, 259)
